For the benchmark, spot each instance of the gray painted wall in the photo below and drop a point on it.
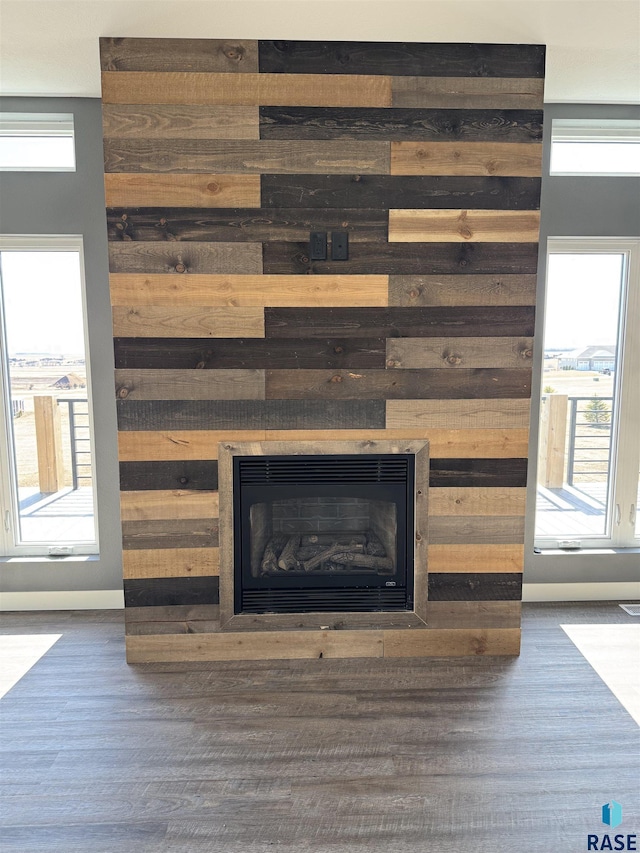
(73, 203)
(577, 207)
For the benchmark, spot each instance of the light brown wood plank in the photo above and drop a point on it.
(247, 291)
(183, 257)
(514, 159)
(190, 384)
(180, 121)
(244, 645)
(473, 614)
(139, 506)
(514, 93)
(464, 226)
(458, 414)
(171, 563)
(249, 89)
(204, 190)
(158, 321)
(450, 290)
(476, 500)
(164, 446)
(459, 352)
(476, 558)
(444, 642)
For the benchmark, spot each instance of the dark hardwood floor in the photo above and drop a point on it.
(449, 755)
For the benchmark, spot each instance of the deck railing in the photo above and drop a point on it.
(49, 441)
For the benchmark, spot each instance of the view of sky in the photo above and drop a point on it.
(583, 300)
(42, 302)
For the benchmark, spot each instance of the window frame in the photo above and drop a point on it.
(593, 132)
(25, 125)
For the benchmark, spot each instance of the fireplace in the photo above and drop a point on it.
(323, 533)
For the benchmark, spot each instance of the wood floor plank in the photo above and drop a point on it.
(173, 504)
(459, 352)
(186, 121)
(516, 159)
(176, 54)
(208, 190)
(458, 414)
(170, 563)
(462, 290)
(476, 558)
(481, 501)
(249, 291)
(194, 321)
(464, 93)
(464, 226)
(248, 89)
(181, 258)
(190, 384)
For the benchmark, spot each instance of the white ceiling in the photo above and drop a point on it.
(50, 47)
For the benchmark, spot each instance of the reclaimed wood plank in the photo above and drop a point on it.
(476, 530)
(454, 559)
(194, 321)
(464, 93)
(232, 156)
(190, 384)
(400, 124)
(168, 592)
(503, 321)
(508, 472)
(400, 191)
(243, 645)
(401, 58)
(476, 586)
(477, 500)
(464, 226)
(459, 353)
(248, 353)
(176, 54)
(282, 258)
(512, 159)
(186, 121)
(170, 533)
(172, 504)
(179, 474)
(172, 613)
(207, 190)
(170, 563)
(474, 614)
(445, 642)
(179, 445)
(397, 384)
(247, 291)
(238, 225)
(260, 414)
(458, 414)
(181, 258)
(462, 290)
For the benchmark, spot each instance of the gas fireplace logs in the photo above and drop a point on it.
(325, 552)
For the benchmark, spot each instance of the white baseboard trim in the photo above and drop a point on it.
(80, 599)
(626, 591)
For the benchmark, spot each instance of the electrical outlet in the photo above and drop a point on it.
(339, 246)
(318, 246)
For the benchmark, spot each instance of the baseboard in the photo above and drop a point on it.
(626, 591)
(80, 599)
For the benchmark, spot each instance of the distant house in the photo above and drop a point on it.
(71, 380)
(601, 357)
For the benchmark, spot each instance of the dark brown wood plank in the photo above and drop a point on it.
(399, 322)
(400, 124)
(251, 414)
(164, 592)
(234, 225)
(476, 530)
(283, 157)
(173, 257)
(186, 474)
(173, 613)
(483, 383)
(170, 533)
(478, 472)
(400, 191)
(250, 353)
(173, 54)
(406, 259)
(480, 586)
(462, 290)
(402, 58)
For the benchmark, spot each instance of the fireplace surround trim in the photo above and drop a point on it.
(230, 621)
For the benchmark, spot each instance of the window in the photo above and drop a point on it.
(47, 484)
(583, 147)
(37, 142)
(589, 448)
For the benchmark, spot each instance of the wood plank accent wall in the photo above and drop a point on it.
(220, 157)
